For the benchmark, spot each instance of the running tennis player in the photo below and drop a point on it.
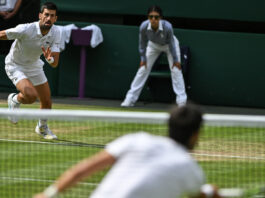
(24, 66)
(144, 165)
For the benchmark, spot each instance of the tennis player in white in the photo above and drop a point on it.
(24, 66)
(144, 165)
(156, 36)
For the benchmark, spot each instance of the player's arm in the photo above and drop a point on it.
(172, 48)
(142, 45)
(83, 169)
(3, 35)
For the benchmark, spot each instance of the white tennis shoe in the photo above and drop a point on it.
(11, 106)
(127, 103)
(45, 132)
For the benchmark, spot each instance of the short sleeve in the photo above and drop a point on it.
(120, 146)
(56, 42)
(17, 32)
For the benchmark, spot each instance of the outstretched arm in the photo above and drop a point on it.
(3, 35)
(82, 170)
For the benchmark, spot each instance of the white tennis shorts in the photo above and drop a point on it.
(16, 73)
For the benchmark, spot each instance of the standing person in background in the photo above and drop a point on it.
(156, 36)
(9, 9)
(24, 66)
(9, 17)
(144, 165)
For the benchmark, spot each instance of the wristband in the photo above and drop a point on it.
(208, 190)
(51, 60)
(51, 191)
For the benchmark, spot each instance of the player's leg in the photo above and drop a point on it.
(41, 87)
(177, 78)
(152, 52)
(44, 95)
(27, 94)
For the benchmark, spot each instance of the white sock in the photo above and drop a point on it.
(15, 99)
(42, 122)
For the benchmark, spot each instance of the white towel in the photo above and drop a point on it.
(97, 36)
(65, 34)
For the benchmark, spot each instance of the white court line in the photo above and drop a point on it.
(27, 141)
(229, 156)
(42, 180)
(198, 154)
(50, 143)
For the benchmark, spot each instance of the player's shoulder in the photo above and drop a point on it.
(26, 26)
(144, 25)
(146, 139)
(25, 29)
(166, 24)
(55, 31)
(138, 135)
(55, 28)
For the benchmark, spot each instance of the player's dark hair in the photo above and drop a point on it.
(155, 8)
(184, 122)
(48, 6)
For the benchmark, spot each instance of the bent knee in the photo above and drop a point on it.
(30, 95)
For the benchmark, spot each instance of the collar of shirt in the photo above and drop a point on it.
(39, 31)
(159, 28)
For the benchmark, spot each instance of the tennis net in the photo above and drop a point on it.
(231, 149)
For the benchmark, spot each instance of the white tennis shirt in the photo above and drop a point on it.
(149, 166)
(26, 49)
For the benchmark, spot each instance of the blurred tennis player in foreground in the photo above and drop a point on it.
(24, 66)
(144, 165)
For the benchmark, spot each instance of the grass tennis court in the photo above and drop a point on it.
(230, 156)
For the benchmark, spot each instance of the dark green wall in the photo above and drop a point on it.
(226, 68)
(243, 10)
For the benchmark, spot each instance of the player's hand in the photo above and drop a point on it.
(47, 53)
(40, 195)
(143, 63)
(209, 190)
(177, 64)
(9, 15)
(3, 13)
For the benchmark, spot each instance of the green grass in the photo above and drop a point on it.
(230, 156)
